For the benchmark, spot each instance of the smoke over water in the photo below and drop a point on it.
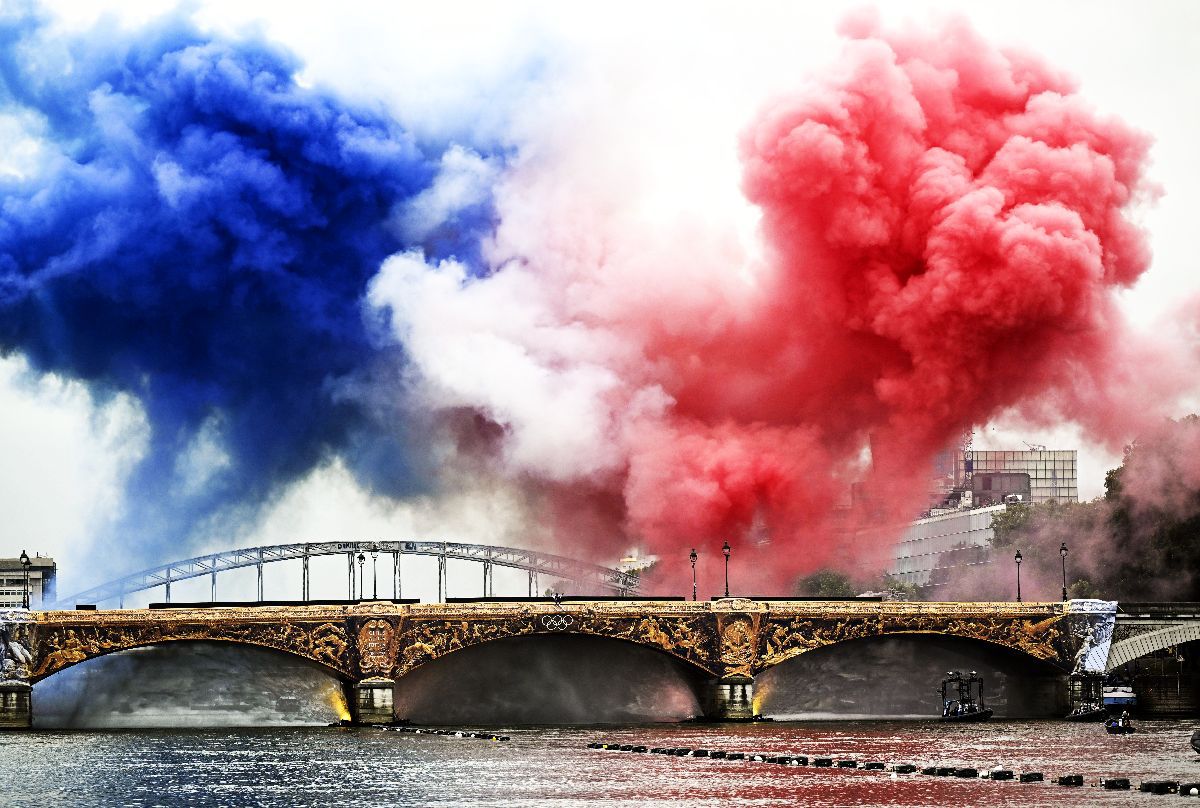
(286, 282)
(191, 684)
(563, 680)
(944, 228)
(198, 230)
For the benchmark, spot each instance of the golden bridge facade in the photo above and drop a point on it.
(371, 646)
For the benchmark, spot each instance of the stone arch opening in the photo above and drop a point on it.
(897, 675)
(566, 678)
(200, 683)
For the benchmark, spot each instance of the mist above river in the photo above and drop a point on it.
(195, 684)
(560, 679)
(901, 676)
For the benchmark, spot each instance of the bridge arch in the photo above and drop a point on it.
(553, 678)
(534, 563)
(897, 674)
(687, 637)
(323, 643)
(1140, 645)
(59, 665)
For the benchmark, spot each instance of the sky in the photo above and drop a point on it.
(508, 136)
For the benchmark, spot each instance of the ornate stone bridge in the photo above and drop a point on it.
(371, 645)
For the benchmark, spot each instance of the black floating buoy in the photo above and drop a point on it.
(929, 770)
(757, 758)
(847, 764)
(822, 762)
(681, 752)
(1030, 777)
(782, 760)
(626, 747)
(1159, 786)
(640, 749)
(944, 771)
(874, 766)
(1000, 774)
(903, 768)
(1189, 789)
(593, 745)
(801, 760)
(700, 753)
(716, 753)
(1115, 783)
(735, 756)
(966, 772)
(1070, 780)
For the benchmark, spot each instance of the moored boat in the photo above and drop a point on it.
(962, 699)
(1118, 697)
(1087, 712)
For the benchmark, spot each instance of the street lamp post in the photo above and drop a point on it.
(361, 589)
(693, 557)
(374, 575)
(725, 550)
(1017, 558)
(1062, 551)
(25, 562)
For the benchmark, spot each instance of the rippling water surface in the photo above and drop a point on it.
(552, 766)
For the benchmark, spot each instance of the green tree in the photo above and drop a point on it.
(825, 584)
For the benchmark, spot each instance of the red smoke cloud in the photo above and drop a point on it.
(945, 225)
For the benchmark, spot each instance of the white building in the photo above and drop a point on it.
(942, 542)
(41, 581)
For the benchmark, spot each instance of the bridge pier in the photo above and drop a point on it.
(373, 701)
(730, 698)
(16, 705)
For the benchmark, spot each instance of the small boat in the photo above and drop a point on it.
(962, 699)
(1119, 726)
(1196, 741)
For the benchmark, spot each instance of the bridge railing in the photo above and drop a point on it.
(534, 563)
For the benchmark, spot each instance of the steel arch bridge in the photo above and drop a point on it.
(534, 563)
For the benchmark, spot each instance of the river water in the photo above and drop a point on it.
(552, 766)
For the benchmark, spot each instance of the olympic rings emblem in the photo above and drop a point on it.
(557, 622)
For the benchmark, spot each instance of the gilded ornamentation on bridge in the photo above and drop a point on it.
(77, 638)
(376, 651)
(1033, 632)
(425, 639)
(737, 647)
(733, 637)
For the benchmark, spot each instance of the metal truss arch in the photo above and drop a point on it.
(535, 563)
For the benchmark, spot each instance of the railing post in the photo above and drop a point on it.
(260, 581)
(442, 578)
(304, 573)
(396, 574)
(168, 585)
(212, 596)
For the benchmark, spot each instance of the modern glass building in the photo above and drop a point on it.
(1053, 473)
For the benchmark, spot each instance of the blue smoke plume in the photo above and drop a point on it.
(199, 232)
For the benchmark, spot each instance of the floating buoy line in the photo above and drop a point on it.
(453, 733)
(1183, 789)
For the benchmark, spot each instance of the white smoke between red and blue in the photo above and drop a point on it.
(284, 279)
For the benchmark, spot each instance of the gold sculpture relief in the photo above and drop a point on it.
(393, 639)
(64, 646)
(375, 652)
(737, 647)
